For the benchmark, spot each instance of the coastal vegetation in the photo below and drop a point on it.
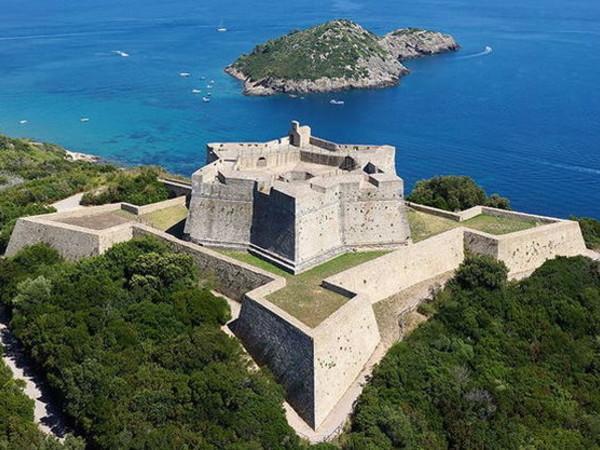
(590, 228)
(137, 186)
(454, 193)
(40, 174)
(133, 348)
(498, 365)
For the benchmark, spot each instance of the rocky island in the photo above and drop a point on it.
(337, 55)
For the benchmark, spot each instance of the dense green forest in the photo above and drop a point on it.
(498, 366)
(35, 175)
(133, 347)
(454, 193)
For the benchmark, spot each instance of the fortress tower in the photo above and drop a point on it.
(299, 200)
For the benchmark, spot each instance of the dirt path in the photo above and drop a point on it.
(69, 203)
(47, 416)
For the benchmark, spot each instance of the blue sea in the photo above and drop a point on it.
(523, 120)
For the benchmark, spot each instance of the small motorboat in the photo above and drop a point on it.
(84, 119)
(196, 91)
(121, 53)
(221, 29)
(336, 102)
(22, 122)
(184, 74)
(206, 99)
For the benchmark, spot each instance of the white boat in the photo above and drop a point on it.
(84, 119)
(221, 28)
(206, 99)
(121, 53)
(336, 102)
(22, 122)
(196, 91)
(292, 96)
(184, 74)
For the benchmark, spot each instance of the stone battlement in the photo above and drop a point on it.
(299, 200)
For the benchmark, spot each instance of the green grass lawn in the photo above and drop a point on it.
(499, 225)
(166, 218)
(304, 297)
(423, 225)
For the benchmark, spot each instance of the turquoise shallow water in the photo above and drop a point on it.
(522, 120)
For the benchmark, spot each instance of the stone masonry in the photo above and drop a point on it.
(299, 200)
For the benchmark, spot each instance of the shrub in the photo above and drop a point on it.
(590, 228)
(139, 188)
(481, 272)
(454, 193)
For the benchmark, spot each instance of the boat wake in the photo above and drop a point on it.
(486, 51)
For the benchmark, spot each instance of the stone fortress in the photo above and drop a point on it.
(299, 200)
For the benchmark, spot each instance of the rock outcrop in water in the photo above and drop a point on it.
(334, 56)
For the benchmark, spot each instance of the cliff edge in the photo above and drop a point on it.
(333, 56)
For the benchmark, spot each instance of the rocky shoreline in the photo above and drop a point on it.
(382, 68)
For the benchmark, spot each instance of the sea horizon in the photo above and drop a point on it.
(521, 118)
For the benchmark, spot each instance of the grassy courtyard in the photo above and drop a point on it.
(423, 225)
(304, 297)
(165, 219)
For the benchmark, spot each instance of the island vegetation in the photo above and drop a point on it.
(339, 54)
(454, 193)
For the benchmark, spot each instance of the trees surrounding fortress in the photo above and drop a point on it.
(133, 348)
(499, 365)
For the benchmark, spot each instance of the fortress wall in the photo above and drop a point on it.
(114, 235)
(270, 159)
(374, 223)
(72, 242)
(221, 213)
(343, 344)
(481, 243)
(404, 267)
(272, 226)
(515, 215)
(525, 251)
(272, 338)
(233, 278)
(325, 159)
(437, 212)
(219, 221)
(318, 232)
(146, 209)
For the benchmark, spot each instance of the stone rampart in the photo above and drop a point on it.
(146, 209)
(524, 251)
(402, 268)
(343, 344)
(72, 242)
